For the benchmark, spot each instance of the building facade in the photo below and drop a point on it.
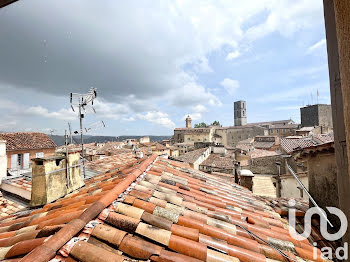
(22, 147)
(316, 115)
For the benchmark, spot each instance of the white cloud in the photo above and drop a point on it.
(316, 46)
(193, 94)
(62, 114)
(199, 108)
(110, 110)
(230, 85)
(158, 118)
(233, 55)
(286, 18)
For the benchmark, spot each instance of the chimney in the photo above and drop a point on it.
(51, 179)
(3, 160)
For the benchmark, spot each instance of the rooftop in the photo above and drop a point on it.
(290, 144)
(216, 160)
(153, 209)
(192, 156)
(27, 140)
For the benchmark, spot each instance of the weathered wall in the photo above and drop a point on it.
(3, 160)
(267, 165)
(309, 116)
(322, 172)
(316, 115)
(289, 186)
(337, 20)
(325, 115)
(234, 135)
(49, 180)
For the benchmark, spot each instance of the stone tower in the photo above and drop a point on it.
(240, 113)
(188, 122)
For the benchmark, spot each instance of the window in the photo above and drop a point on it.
(19, 160)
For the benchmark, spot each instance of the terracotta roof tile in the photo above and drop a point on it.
(152, 209)
(27, 140)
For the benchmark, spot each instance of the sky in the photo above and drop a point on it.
(155, 62)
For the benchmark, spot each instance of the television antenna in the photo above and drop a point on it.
(82, 101)
(95, 126)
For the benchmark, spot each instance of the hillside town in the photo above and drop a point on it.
(180, 166)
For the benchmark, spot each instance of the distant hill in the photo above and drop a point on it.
(59, 140)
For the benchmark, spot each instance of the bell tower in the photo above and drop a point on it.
(240, 113)
(188, 122)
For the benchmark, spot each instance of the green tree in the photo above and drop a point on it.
(216, 123)
(200, 125)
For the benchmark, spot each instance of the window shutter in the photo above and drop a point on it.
(25, 160)
(14, 159)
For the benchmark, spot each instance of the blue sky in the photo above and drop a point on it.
(155, 62)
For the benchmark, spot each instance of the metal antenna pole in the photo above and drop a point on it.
(82, 139)
(308, 194)
(67, 157)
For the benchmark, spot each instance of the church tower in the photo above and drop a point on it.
(240, 113)
(188, 122)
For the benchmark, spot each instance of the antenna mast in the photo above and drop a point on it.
(81, 101)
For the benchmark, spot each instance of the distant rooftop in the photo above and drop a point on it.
(27, 140)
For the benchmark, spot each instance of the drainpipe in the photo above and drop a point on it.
(278, 180)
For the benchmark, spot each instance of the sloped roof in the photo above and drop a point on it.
(157, 210)
(8, 207)
(27, 140)
(324, 138)
(215, 160)
(290, 144)
(192, 156)
(256, 153)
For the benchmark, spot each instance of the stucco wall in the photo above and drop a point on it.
(203, 157)
(49, 180)
(289, 186)
(47, 152)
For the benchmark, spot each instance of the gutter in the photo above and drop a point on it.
(48, 250)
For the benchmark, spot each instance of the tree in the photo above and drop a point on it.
(216, 123)
(200, 125)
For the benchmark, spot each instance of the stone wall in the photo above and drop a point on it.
(325, 115)
(234, 135)
(316, 115)
(290, 186)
